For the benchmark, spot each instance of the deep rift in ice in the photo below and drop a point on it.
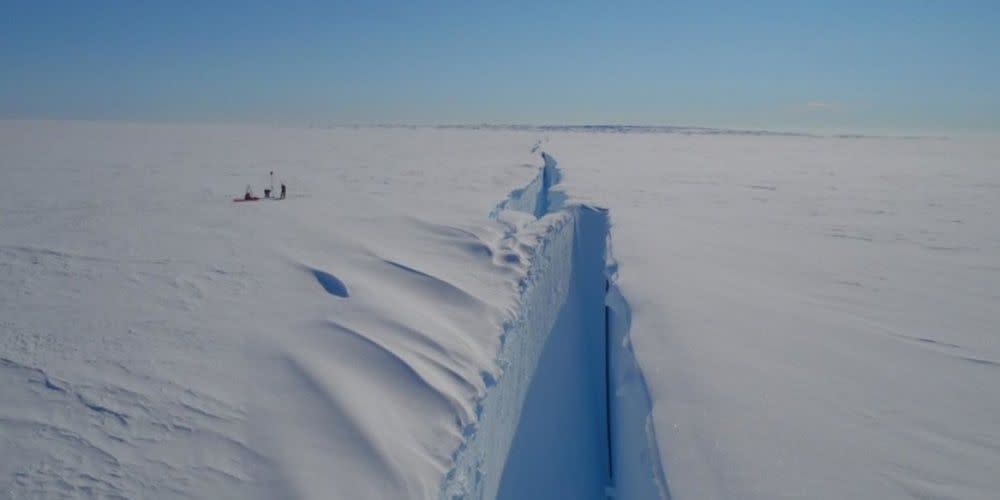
(569, 417)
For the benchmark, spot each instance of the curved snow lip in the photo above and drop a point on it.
(638, 471)
(633, 464)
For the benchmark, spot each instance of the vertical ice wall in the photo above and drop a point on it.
(479, 464)
(560, 448)
(569, 417)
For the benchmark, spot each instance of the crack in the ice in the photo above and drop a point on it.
(539, 199)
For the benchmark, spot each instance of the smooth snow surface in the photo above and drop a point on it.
(815, 318)
(771, 316)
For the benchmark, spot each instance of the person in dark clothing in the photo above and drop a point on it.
(282, 191)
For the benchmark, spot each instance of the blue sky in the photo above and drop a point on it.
(892, 65)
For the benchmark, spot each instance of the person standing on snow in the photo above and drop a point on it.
(282, 191)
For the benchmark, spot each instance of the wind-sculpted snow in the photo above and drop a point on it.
(352, 341)
(159, 340)
(782, 316)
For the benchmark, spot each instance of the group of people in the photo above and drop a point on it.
(248, 196)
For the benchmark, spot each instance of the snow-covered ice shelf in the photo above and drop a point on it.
(159, 340)
(668, 313)
(814, 317)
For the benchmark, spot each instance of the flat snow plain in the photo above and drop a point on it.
(813, 317)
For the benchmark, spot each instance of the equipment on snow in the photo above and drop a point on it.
(248, 195)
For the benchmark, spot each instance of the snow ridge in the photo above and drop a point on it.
(570, 415)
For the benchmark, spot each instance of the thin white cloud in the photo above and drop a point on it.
(821, 107)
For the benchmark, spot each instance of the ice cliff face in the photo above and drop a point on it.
(568, 417)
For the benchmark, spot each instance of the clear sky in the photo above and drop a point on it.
(866, 64)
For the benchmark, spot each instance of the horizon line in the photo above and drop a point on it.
(843, 133)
